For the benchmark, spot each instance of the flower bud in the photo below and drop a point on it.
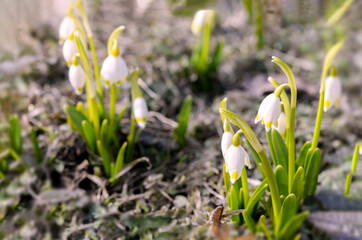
(269, 111)
(67, 26)
(69, 49)
(333, 90)
(76, 76)
(201, 18)
(140, 111)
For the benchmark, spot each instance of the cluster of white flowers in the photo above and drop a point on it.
(234, 154)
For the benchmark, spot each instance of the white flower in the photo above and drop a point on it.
(281, 124)
(226, 141)
(69, 49)
(114, 69)
(333, 92)
(236, 158)
(269, 111)
(67, 26)
(200, 19)
(140, 111)
(77, 77)
(360, 150)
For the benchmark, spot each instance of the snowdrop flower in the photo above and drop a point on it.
(333, 90)
(236, 157)
(114, 70)
(200, 19)
(76, 76)
(67, 26)
(269, 111)
(140, 111)
(226, 138)
(281, 124)
(69, 49)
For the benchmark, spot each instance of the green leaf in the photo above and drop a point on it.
(298, 183)
(89, 135)
(120, 159)
(256, 157)
(261, 226)
(117, 123)
(106, 157)
(36, 147)
(348, 184)
(303, 154)
(76, 117)
(3, 168)
(234, 202)
(312, 172)
(280, 149)
(180, 132)
(216, 58)
(292, 226)
(15, 135)
(105, 134)
(250, 223)
(241, 199)
(257, 194)
(282, 180)
(288, 211)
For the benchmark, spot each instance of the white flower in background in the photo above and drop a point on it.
(114, 69)
(69, 49)
(76, 76)
(360, 150)
(236, 157)
(269, 111)
(140, 111)
(281, 124)
(67, 26)
(333, 92)
(200, 19)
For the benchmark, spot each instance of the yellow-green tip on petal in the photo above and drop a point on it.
(334, 72)
(115, 50)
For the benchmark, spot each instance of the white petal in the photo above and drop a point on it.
(77, 77)
(114, 69)
(272, 112)
(235, 159)
(281, 124)
(247, 159)
(226, 141)
(69, 50)
(199, 21)
(360, 150)
(67, 26)
(140, 111)
(263, 106)
(333, 92)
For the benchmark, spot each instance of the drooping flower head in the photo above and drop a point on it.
(201, 18)
(140, 111)
(269, 111)
(69, 49)
(226, 138)
(236, 157)
(67, 26)
(333, 90)
(114, 69)
(76, 76)
(281, 124)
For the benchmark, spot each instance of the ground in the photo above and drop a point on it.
(170, 193)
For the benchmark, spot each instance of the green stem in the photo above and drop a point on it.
(293, 103)
(327, 62)
(112, 108)
(270, 143)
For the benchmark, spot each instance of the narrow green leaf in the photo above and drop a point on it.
(216, 58)
(3, 168)
(241, 199)
(303, 154)
(288, 211)
(117, 123)
(282, 180)
(261, 226)
(257, 195)
(180, 132)
(106, 157)
(120, 159)
(250, 223)
(76, 117)
(280, 149)
(234, 202)
(15, 135)
(34, 139)
(89, 135)
(104, 133)
(226, 177)
(312, 171)
(292, 226)
(348, 184)
(256, 158)
(272, 148)
(298, 183)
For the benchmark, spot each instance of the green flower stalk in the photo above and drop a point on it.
(357, 152)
